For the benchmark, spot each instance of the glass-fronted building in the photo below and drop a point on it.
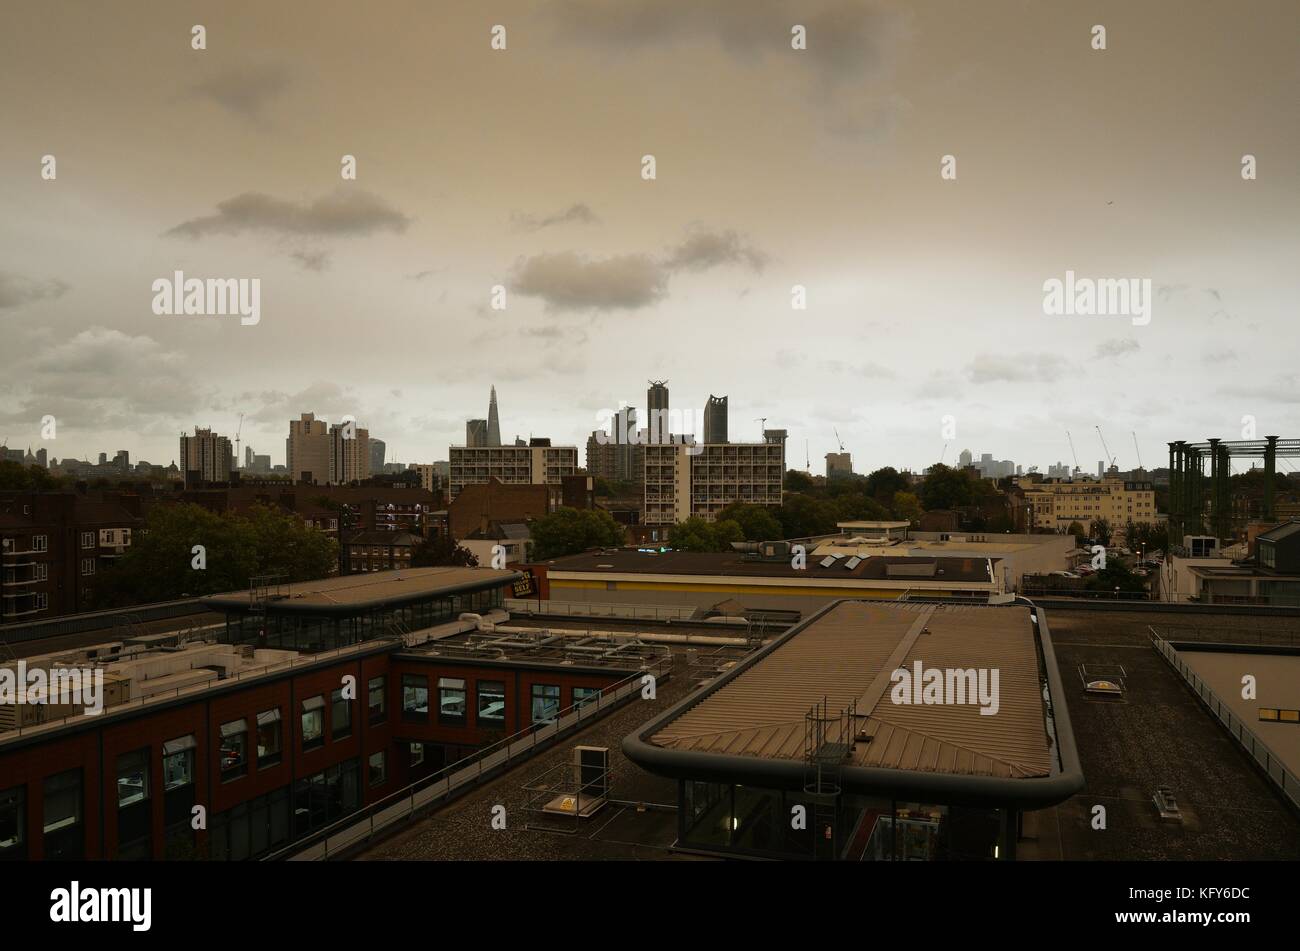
(335, 612)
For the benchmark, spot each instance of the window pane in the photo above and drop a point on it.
(377, 701)
(62, 800)
(132, 778)
(451, 698)
(268, 738)
(378, 769)
(491, 702)
(415, 695)
(546, 702)
(342, 714)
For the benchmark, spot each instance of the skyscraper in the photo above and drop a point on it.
(715, 420)
(476, 432)
(377, 448)
(656, 401)
(493, 423)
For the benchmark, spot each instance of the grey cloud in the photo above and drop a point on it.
(578, 213)
(16, 290)
(345, 211)
(1116, 347)
(570, 281)
(104, 378)
(245, 90)
(706, 249)
(312, 260)
(327, 400)
(1022, 368)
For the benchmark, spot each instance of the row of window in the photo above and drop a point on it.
(490, 697)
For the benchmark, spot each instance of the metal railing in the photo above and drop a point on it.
(1259, 751)
(348, 832)
(631, 612)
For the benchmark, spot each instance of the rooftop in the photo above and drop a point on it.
(734, 564)
(848, 654)
(376, 589)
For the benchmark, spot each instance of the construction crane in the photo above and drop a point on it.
(762, 420)
(238, 430)
(1137, 450)
(1110, 460)
(837, 438)
(943, 454)
(1072, 452)
(807, 459)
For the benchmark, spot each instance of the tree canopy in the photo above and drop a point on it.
(160, 564)
(568, 531)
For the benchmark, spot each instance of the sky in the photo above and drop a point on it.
(522, 168)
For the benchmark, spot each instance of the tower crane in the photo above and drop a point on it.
(762, 421)
(1107, 456)
(238, 430)
(837, 438)
(1137, 450)
(1072, 452)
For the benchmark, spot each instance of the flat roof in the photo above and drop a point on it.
(1277, 681)
(735, 564)
(346, 594)
(749, 726)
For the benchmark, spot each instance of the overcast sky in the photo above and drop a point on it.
(775, 167)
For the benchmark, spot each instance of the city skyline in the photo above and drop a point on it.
(924, 295)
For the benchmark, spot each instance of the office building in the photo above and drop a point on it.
(839, 464)
(715, 420)
(476, 432)
(1054, 504)
(377, 448)
(816, 719)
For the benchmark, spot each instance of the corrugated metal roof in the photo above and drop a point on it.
(849, 654)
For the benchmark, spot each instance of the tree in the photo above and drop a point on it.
(695, 534)
(568, 531)
(1076, 530)
(163, 565)
(757, 523)
(883, 484)
(1100, 531)
(796, 481)
(442, 551)
(802, 516)
(15, 476)
(1116, 576)
(906, 505)
(1148, 537)
(945, 488)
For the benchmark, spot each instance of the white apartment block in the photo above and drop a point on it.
(700, 480)
(349, 454)
(512, 465)
(1057, 504)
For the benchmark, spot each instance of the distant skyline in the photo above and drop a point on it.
(775, 168)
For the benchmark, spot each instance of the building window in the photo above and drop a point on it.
(546, 702)
(234, 749)
(491, 703)
(252, 828)
(268, 738)
(415, 697)
(87, 566)
(585, 695)
(62, 823)
(13, 824)
(313, 722)
(417, 754)
(451, 700)
(87, 539)
(341, 717)
(378, 770)
(378, 700)
(133, 812)
(325, 797)
(42, 601)
(42, 572)
(40, 543)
